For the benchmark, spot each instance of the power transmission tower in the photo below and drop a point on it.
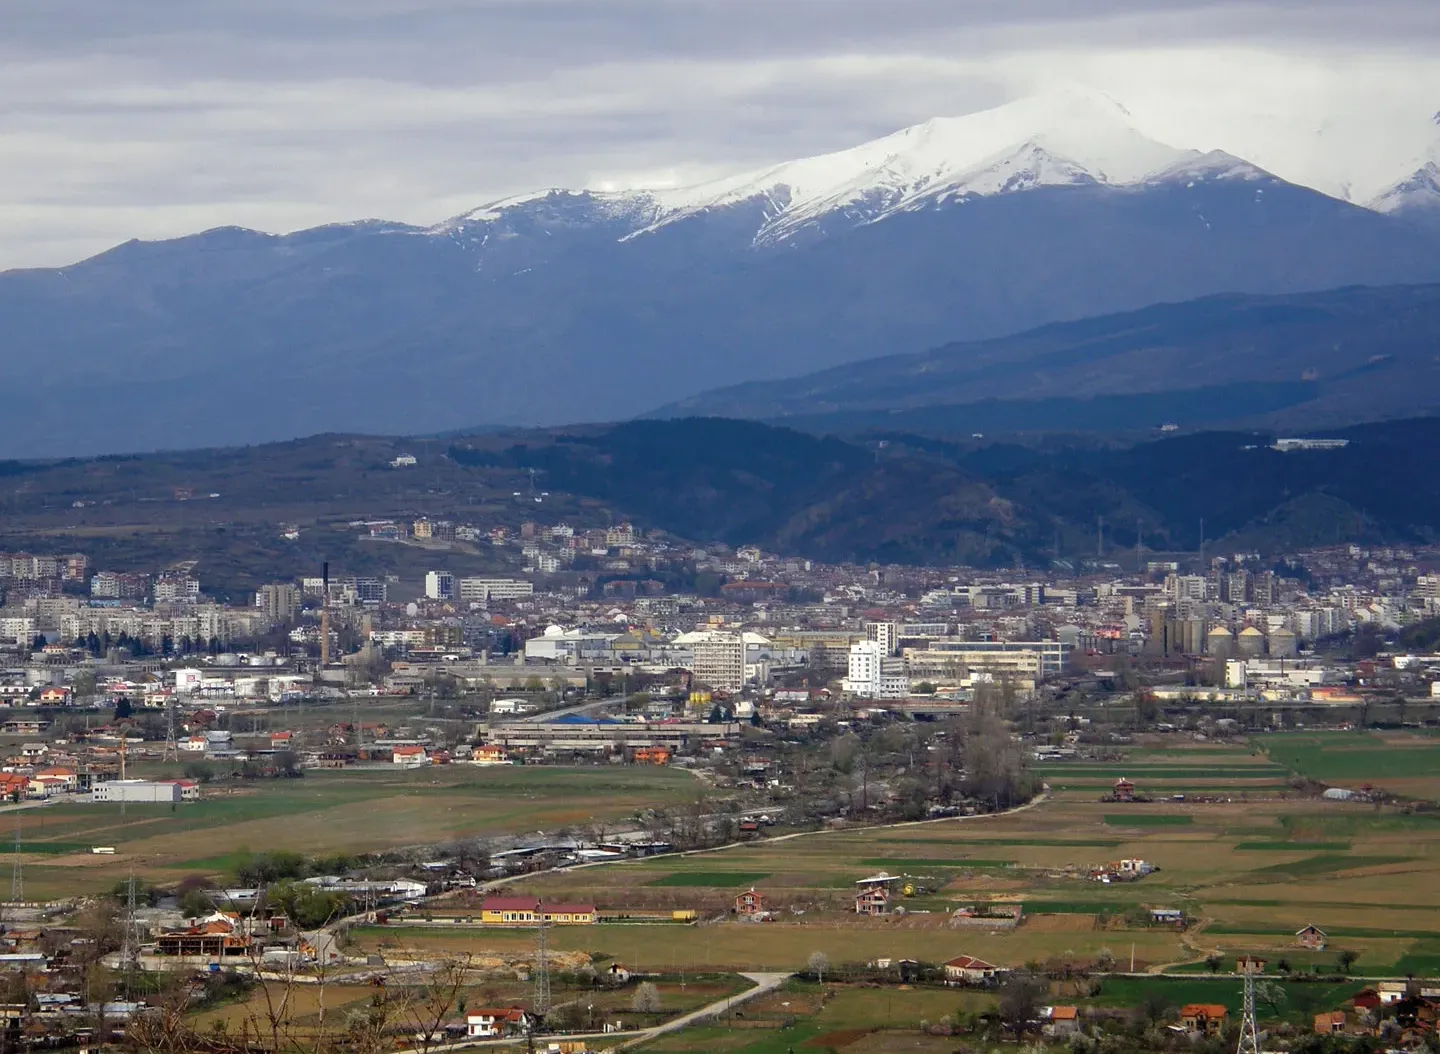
(1249, 1030)
(127, 954)
(172, 748)
(17, 874)
(540, 1001)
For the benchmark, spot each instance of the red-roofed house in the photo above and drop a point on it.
(750, 904)
(1064, 1020)
(490, 1022)
(13, 787)
(528, 911)
(409, 755)
(1205, 1018)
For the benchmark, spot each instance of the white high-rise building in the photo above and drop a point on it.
(873, 674)
(885, 634)
(440, 585)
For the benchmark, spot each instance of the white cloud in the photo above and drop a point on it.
(152, 120)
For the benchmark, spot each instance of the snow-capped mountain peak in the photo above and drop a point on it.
(1064, 137)
(1419, 190)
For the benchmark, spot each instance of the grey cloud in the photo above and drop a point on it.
(158, 118)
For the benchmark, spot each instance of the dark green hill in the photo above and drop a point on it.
(916, 500)
(898, 498)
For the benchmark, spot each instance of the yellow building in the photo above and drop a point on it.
(528, 911)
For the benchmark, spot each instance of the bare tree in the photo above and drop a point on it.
(1019, 999)
(646, 999)
(819, 962)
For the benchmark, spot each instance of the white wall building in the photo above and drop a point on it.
(873, 674)
(885, 634)
(484, 590)
(136, 791)
(440, 585)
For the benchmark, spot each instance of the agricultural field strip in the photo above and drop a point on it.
(1139, 775)
(1351, 756)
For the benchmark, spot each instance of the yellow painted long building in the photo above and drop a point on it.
(529, 911)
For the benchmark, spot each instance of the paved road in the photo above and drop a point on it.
(764, 982)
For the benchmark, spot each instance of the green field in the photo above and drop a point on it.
(327, 811)
(1362, 872)
(1404, 763)
(712, 879)
(1314, 866)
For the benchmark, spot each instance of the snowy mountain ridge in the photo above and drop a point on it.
(1070, 137)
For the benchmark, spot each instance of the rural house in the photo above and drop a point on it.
(1064, 1020)
(751, 904)
(493, 1022)
(872, 900)
(1312, 937)
(1124, 790)
(1206, 1019)
(1330, 1022)
(966, 969)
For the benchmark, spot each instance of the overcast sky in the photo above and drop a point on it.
(122, 120)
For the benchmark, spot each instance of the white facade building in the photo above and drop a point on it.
(440, 585)
(484, 590)
(885, 634)
(874, 674)
(137, 791)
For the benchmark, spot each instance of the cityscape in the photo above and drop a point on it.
(720, 527)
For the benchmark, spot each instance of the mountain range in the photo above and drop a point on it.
(1297, 360)
(600, 305)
